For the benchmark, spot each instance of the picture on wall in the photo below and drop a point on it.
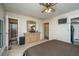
(31, 26)
(62, 21)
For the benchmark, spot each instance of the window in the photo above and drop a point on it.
(1, 33)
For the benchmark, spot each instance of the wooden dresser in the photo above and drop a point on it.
(32, 37)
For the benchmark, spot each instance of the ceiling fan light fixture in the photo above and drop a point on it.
(49, 7)
(48, 10)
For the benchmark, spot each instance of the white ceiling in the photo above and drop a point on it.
(34, 9)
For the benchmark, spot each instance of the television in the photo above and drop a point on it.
(62, 21)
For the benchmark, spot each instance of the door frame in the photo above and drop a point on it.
(8, 28)
(72, 35)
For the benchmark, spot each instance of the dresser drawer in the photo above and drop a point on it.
(32, 37)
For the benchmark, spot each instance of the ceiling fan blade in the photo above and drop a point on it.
(53, 4)
(43, 4)
(43, 11)
(48, 4)
(53, 10)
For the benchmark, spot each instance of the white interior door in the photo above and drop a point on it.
(46, 30)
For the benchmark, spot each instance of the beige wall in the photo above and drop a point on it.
(56, 31)
(61, 31)
(22, 24)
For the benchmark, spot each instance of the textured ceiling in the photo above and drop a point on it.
(34, 9)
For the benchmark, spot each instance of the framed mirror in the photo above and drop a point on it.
(31, 26)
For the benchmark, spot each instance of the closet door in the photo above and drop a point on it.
(1, 33)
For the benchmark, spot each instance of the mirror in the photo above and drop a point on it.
(31, 26)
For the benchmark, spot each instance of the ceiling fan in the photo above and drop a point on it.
(48, 7)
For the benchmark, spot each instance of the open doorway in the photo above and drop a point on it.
(75, 30)
(46, 30)
(13, 32)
